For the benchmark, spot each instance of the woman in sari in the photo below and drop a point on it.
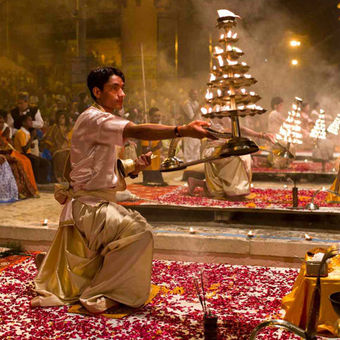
(8, 186)
(57, 141)
(20, 165)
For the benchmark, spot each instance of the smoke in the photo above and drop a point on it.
(264, 32)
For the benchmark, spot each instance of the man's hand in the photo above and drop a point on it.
(142, 162)
(270, 137)
(195, 129)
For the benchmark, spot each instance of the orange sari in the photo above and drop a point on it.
(24, 161)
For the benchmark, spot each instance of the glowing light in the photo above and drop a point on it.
(204, 110)
(319, 129)
(212, 77)
(220, 61)
(294, 62)
(219, 92)
(232, 62)
(295, 43)
(290, 130)
(218, 50)
(335, 125)
(209, 95)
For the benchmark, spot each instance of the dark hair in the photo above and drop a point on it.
(100, 75)
(22, 119)
(153, 110)
(60, 113)
(23, 96)
(3, 114)
(276, 101)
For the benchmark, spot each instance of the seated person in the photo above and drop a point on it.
(22, 142)
(8, 186)
(276, 116)
(227, 177)
(57, 142)
(20, 164)
(23, 108)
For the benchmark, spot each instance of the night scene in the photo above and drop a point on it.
(170, 169)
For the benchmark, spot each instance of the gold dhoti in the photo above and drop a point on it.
(227, 176)
(101, 257)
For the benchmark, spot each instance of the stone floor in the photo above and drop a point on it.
(32, 212)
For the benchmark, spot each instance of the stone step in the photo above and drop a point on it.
(215, 241)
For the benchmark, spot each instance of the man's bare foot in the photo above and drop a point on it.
(97, 305)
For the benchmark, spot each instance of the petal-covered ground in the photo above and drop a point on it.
(240, 296)
(259, 198)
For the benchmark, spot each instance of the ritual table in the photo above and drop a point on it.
(297, 303)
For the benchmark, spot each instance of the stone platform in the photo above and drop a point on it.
(217, 234)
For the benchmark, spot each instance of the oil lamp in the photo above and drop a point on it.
(226, 95)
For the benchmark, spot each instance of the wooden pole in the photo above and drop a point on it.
(144, 83)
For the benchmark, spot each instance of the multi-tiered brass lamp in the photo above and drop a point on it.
(226, 96)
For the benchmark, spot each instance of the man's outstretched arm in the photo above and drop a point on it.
(158, 131)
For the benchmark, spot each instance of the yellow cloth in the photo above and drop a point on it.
(103, 255)
(152, 145)
(335, 187)
(297, 302)
(20, 140)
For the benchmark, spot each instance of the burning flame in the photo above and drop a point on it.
(218, 50)
(204, 110)
(217, 108)
(212, 77)
(319, 129)
(220, 60)
(219, 92)
(209, 95)
(232, 62)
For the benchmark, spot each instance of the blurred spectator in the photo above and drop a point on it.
(8, 186)
(83, 103)
(315, 112)
(276, 116)
(191, 146)
(22, 142)
(20, 165)
(57, 142)
(23, 108)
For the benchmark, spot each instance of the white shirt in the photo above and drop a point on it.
(93, 156)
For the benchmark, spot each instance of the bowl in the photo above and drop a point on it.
(335, 300)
